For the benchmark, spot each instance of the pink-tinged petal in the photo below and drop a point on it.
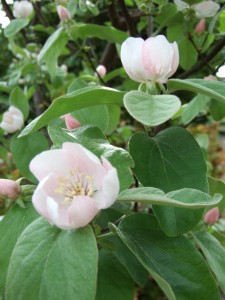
(174, 60)
(156, 57)
(106, 164)
(63, 13)
(110, 190)
(85, 161)
(54, 161)
(39, 200)
(82, 211)
(131, 57)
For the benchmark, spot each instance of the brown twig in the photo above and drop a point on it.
(128, 19)
(199, 65)
(7, 9)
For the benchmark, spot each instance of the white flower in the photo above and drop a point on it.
(12, 120)
(22, 9)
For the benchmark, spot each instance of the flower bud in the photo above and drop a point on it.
(152, 60)
(64, 68)
(200, 27)
(212, 216)
(63, 13)
(12, 120)
(101, 70)
(22, 9)
(71, 122)
(9, 189)
(205, 9)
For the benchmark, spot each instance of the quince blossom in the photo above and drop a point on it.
(74, 185)
(12, 120)
(152, 60)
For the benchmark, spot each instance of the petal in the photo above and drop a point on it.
(156, 57)
(85, 161)
(131, 57)
(205, 9)
(82, 211)
(51, 161)
(110, 190)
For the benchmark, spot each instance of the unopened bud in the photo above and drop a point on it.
(101, 70)
(63, 13)
(212, 216)
(9, 189)
(200, 27)
(71, 122)
(210, 77)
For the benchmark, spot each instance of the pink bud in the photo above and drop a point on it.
(9, 188)
(63, 13)
(71, 122)
(212, 216)
(152, 60)
(12, 120)
(200, 27)
(101, 70)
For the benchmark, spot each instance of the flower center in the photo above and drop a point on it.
(75, 184)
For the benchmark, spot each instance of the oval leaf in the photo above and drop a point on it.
(174, 263)
(84, 97)
(151, 110)
(48, 263)
(15, 26)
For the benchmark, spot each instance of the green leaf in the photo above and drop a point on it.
(11, 227)
(172, 160)
(188, 198)
(19, 100)
(189, 54)
(128, 260)
(174, 263)
(15, 26)
(108, 33)
(25, 149)
(93, 139)
(151, 110)
(217, 110)
(97, 115)
(114, 118)
(213, 89)
(52, 50)
(193, 108)
(176, 221)
(114, 282)
(214, 254)
(217, 186)
(84, 97)
(48, 263)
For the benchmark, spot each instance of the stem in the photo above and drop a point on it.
(105, 235)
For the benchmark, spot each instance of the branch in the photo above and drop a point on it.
(219, 45)
(128, 19)
(7, 9)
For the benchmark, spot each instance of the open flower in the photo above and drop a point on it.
(9, 189)
(152, 60)
(74, 185)
(12, 120)
(22, 9)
